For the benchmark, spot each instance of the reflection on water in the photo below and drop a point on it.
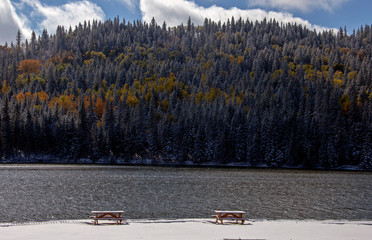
(47, 192)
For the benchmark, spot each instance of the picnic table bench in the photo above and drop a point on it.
(107, 215)
(229, 215)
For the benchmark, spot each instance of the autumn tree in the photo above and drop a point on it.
(29, 66)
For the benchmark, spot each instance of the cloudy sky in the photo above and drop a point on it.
(28, 15)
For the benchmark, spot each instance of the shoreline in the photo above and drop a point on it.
(346, 168)
(203, 229)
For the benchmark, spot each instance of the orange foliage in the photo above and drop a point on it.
(99, 107)
(344, 102)
(87, 101)
(20, 97)
(67, 102)
(30, 66)
(43, 96)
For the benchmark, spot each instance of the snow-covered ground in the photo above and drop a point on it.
(195, 229)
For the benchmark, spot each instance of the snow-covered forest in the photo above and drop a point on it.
(252, 93)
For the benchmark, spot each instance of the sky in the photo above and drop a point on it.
(37, 15)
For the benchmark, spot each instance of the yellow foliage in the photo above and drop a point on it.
(148, 96)
(319, 74)
(132, 100)
(344, 50)
(211, 95)
(204, 79)
(276, 74)
(5, 88)
(251, 74)
(99, 55)
(359, 101)
(240, 59)
(109, 95)
(184, 93)
(338, 82)
(352, 75)
(239, 99)
(232, 59)
(170, 84)
(88, 62)
(99, 123)
(206, 66)
(308, 67)
(21, 80)
(199, 97)
(310, 74)
(137, 84)
(337, 78)
(292, 69)
(150, 79)
(325, 60)
(164, 105)
(324, 68)
(119, 57)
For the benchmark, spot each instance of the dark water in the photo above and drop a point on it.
(48, 192)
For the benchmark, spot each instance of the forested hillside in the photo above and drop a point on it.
(252, 93)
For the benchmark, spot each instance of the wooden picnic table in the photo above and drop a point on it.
(107, 215)
(229, 215)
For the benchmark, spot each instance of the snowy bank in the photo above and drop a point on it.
(202, 229)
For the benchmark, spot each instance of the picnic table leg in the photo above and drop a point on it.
(239, 216)
(221, 220)
(120, 218)
(95, 220)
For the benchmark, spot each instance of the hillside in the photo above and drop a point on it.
(252, 93)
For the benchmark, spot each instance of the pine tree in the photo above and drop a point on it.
(6, 146)
(83, 134)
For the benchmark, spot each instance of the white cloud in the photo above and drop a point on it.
(131, 4)
(10, 23)
(303, 5)
(69, 14)
(175, 12)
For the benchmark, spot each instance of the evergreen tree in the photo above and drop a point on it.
(6, 145)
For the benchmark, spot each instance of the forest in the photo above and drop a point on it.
(235, 92)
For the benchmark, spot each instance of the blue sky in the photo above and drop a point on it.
(28, 15)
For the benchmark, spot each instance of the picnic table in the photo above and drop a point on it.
(107, 215)
(229, 215)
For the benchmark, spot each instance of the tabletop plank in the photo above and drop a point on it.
(107, 212)
(235, 212)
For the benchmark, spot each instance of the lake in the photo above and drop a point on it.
(55, 192)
